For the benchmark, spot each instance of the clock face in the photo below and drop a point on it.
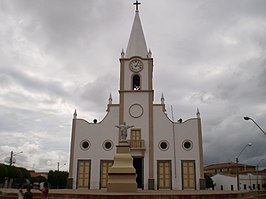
(136, 65)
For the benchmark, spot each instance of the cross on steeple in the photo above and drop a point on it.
(137, 5)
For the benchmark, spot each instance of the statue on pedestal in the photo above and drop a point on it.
(123, 128)
(122, 174)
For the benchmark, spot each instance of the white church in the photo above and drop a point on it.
(166, 154)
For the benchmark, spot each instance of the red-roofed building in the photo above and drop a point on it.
(228, 168)
(35, 174)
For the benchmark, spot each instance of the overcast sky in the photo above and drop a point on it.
(55, 55)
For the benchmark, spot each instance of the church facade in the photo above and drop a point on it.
(166, 154)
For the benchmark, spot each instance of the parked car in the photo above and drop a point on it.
(36, 185)
(17, 182)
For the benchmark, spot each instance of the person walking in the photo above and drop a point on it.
(44, 191)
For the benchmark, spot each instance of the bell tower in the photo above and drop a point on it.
(136, 90)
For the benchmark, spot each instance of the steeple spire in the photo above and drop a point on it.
(136, 44)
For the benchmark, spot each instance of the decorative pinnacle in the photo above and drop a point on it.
(198, 113)
(75, 114)
(149, 54)
(110, 99)
(122, 53)
(162, 99)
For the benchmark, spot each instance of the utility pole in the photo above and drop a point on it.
(11, 159)
(237, 161)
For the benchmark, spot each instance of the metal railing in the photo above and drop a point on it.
(137, 144)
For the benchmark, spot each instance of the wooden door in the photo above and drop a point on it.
(84, 167)
(164, 174)
(188, 174)
(105, 167)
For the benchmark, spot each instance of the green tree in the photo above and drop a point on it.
(33, 179)
(264, 183)
(209, 181)
(41, 179)
(24, 173)
(14, 172)
(58, 179)
(3, 173)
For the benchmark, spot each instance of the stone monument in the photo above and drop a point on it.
(122, 175)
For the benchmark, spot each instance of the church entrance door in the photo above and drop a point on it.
(164, 174)
(84, 168)
(188, 174)
(138, 165)
(105, 167)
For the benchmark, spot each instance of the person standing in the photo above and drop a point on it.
(28, 193)
(44, 190)
(20, 192)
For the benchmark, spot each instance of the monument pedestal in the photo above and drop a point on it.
(122, 175)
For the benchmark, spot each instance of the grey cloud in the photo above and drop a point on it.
(32, 83)
(95, 94)
(5, 81)
(66, 24)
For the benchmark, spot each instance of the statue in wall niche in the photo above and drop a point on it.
(123, 128)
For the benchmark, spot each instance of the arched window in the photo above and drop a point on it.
(136, 82)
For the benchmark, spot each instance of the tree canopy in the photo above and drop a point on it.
(209, 181)
(58, 179)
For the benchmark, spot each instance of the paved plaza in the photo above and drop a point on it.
(147, 194)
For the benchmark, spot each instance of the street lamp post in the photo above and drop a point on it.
(11, 158)
(12, 154)
(248, 118)
(237, 173)
(257, 167)
(58, 167)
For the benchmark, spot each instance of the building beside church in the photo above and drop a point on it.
(248, 181)
(166, 154)
(224, 176)
(228, 168)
